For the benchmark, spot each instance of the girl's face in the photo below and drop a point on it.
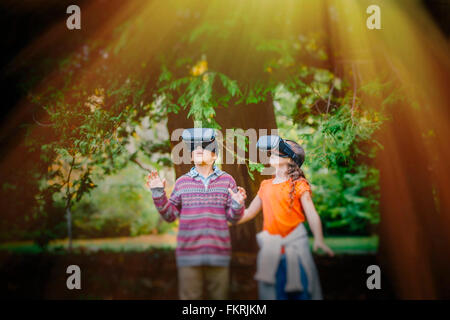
(202, 156)
(276, 161)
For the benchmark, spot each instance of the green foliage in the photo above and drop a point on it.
(336, 132)
(119, 206)
(87, 124)
(259, 167)
(94, 109)
(198, 93)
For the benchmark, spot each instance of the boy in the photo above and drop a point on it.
(205, 199)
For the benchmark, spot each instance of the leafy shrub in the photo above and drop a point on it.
(120, 206)
(338, 143)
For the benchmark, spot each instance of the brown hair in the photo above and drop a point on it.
(295, 173)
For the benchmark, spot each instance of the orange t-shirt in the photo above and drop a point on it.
(278, 217)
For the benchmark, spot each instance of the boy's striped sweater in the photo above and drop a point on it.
(203, 209)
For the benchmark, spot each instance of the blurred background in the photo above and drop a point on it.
(85, 114)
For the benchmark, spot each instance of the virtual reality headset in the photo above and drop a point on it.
(203, 137)
(268, 143)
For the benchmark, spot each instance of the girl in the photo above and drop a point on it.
(285, 266)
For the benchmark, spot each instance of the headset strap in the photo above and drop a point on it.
(287, 150)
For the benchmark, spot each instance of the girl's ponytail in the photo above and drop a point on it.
(294, 172)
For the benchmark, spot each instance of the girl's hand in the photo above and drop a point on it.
(323, 246)
(238, 196)
(154, 181)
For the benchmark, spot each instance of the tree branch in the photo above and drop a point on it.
(141, 165)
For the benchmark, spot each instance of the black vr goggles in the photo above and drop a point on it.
(203, 137)
(268, 143)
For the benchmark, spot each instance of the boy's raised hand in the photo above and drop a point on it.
(154, 181)
(238, 196)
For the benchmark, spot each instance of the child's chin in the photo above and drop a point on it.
(199, 161)
(274, 164)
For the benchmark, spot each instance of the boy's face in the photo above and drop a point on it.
(203, 156)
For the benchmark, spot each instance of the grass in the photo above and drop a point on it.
(340, 245)
(351, 245)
